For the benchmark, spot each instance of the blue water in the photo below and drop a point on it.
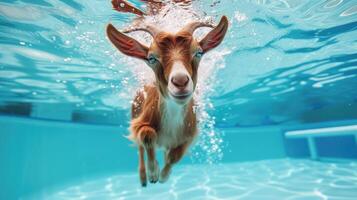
(278, 179)
(65, 95)
(274, 53)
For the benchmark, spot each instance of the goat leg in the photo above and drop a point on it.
(142, 170)
(172, 156)
(147, 137)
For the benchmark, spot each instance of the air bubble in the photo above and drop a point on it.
(67, 59)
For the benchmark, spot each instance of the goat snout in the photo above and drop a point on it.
(180, 80)
(180, 86)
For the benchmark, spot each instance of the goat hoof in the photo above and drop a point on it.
(163, 179)
(153, 179)
(154, 173)
(143, 179)
(165, 173)
(164, 176)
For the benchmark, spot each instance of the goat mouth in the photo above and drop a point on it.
(183, 96)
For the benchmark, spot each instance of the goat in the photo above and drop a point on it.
(163, 113)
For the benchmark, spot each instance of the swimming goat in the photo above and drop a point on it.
(163, 113)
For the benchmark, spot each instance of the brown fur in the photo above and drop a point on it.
(146, 131)
(172, 48)
(152, 122)
(147, 112)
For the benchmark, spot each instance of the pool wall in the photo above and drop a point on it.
(336, 145)
(37, 154)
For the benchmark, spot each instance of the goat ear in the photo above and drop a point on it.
(215, 36)
(126, 44)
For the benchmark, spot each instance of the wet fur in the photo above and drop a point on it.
(157, 120)
(173, 124)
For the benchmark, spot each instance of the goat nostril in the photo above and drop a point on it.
(180, 80)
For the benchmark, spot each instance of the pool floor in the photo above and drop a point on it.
(268, 179)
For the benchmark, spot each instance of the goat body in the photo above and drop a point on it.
(163, 113)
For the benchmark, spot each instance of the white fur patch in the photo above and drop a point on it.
(172, 120)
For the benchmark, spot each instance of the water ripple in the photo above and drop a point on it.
(270, 179)
(275, 51)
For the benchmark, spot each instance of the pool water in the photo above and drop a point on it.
(274, 52)
(66, 92)
(271, 179)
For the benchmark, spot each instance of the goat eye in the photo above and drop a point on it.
(152, 60)
(199, 54)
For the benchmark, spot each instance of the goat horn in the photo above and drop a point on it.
(148, 28)
(191, 27)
